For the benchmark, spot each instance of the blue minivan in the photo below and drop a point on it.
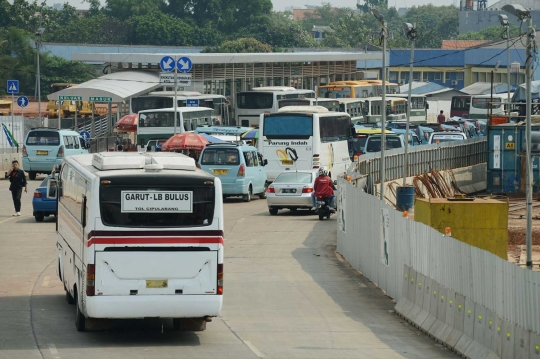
(45, 147)
(240, 169)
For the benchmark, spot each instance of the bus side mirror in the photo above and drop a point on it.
(83, 212)
(427, 106)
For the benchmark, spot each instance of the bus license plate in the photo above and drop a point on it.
(159, 283)
(42, 153)
(287, 162)
(220, 172)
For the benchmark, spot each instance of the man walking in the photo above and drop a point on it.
(17, 180)
(441, 118)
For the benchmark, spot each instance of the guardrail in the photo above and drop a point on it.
(422, 159)
(468, 299)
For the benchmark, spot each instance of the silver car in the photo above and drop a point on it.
(292, 190)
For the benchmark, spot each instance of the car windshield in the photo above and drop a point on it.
(43, 138)
(294, 177)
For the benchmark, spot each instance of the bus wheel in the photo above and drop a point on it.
(189, 324)
(80, 319)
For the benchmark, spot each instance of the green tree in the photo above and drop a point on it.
(371, 4)
(434, 24)
(492, 33)
(124, 9)
(242, 45)
(160, 29)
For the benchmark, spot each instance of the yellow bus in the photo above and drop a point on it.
(356, 89)
(68, 108)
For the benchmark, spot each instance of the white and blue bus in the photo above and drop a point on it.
(305, 138)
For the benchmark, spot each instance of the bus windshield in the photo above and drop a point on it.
(461, 103)
(150, 103)
(288, 127)
(255, 100)
(112, 214)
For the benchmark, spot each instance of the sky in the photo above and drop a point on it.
(280, 5)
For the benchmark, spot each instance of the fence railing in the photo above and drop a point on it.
(379, 242)
(102, 144)
(422, 159)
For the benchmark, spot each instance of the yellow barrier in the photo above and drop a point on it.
(482, 223)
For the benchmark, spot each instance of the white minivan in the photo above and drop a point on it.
(46, 147)
(140, 235)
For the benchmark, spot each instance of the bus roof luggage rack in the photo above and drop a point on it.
(304, 109)
(107, 161)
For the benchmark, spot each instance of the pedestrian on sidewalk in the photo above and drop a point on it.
(17, 180)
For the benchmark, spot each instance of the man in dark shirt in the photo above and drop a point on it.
(17, 180)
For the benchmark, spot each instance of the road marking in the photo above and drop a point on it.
(5, 220)
(240, 220)
(46, 281)
(253, 349)
(362, 285)
(53, 350)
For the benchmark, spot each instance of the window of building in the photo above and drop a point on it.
(416, 76)
(393, 76)
(437, 76)
(459, 76)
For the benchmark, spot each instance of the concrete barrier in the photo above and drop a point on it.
(432, 317)
(402, 302)
(521, 343)
(477, 350)
(411, 293)
(534, 343)
(426, 302)
(444, 332)
(490, 334)
(418, 298)
(468, 327)
(508, 333)
(441, 312)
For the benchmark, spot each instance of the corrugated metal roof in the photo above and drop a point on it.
(119, 85)
(483, 88)
(461, 44)
(424, 88)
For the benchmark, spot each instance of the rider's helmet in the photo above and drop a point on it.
(322, 172)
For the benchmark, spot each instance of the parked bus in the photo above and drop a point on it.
(356, 108)
(305, 138)
(164, 99)
(68, 108)
(419, 107)
(476, 106)
(159, 123)
(140, 236)
(356, 89)
(396, 109)
(251, 104)
(330, 104)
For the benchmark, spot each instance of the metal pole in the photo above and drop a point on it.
(12, 116)
(59, 113)
(528, 143)
(39, 78)
(175, 93)
(383, 109)
(109, 120)
(508, 64)
(93, 133)
(409, 102)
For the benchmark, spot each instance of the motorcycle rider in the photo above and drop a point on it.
(323, 187)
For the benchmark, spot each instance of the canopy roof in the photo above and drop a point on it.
(121, 86)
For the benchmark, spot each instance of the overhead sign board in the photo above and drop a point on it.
(70, 98)
(22, 101)
(167, 63)
(181, 79)
(100, 99)
(12, 87)
(184, 64)
(192, 103)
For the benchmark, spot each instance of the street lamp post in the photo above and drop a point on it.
(525, 15)
(39, 33)
(506, 24)
(384, 35)
(411, 34)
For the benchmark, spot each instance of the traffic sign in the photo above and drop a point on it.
(184, 64)
(85, 135)
(167, 64)
(100, 99)
(22, 101)
(13, 86)
(192, 103)
(70, 98)
(181, 79)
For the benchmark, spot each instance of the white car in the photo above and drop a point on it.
(439, 137)
(291, 190)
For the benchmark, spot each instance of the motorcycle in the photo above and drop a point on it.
(323, 207)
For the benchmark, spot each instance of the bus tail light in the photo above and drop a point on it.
(307, 189)
(220, 279)
(271, 189)
(242, 171)
(316, 161)
(60, 152)
(90, 280)
(24, 152)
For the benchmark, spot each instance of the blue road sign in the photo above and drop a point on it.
(22, 101)
(184, 64)
(167, 64)
(12, 86)
(85, 135)
(192, 103)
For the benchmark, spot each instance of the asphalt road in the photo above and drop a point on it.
(286, 295)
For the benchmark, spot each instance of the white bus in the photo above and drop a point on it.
(305, 138)
(251, 104)
(419, 106)
(329, 103)
(159, 124)
(396, 109)
(164, 99)
(355, 107)
(140, 235)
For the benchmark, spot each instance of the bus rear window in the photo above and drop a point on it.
(288, 126)
(110, 198)
(220, 156)
(335, 92)
(255, 100)
(43, 138)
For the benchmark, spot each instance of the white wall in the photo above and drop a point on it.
(435, 108)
